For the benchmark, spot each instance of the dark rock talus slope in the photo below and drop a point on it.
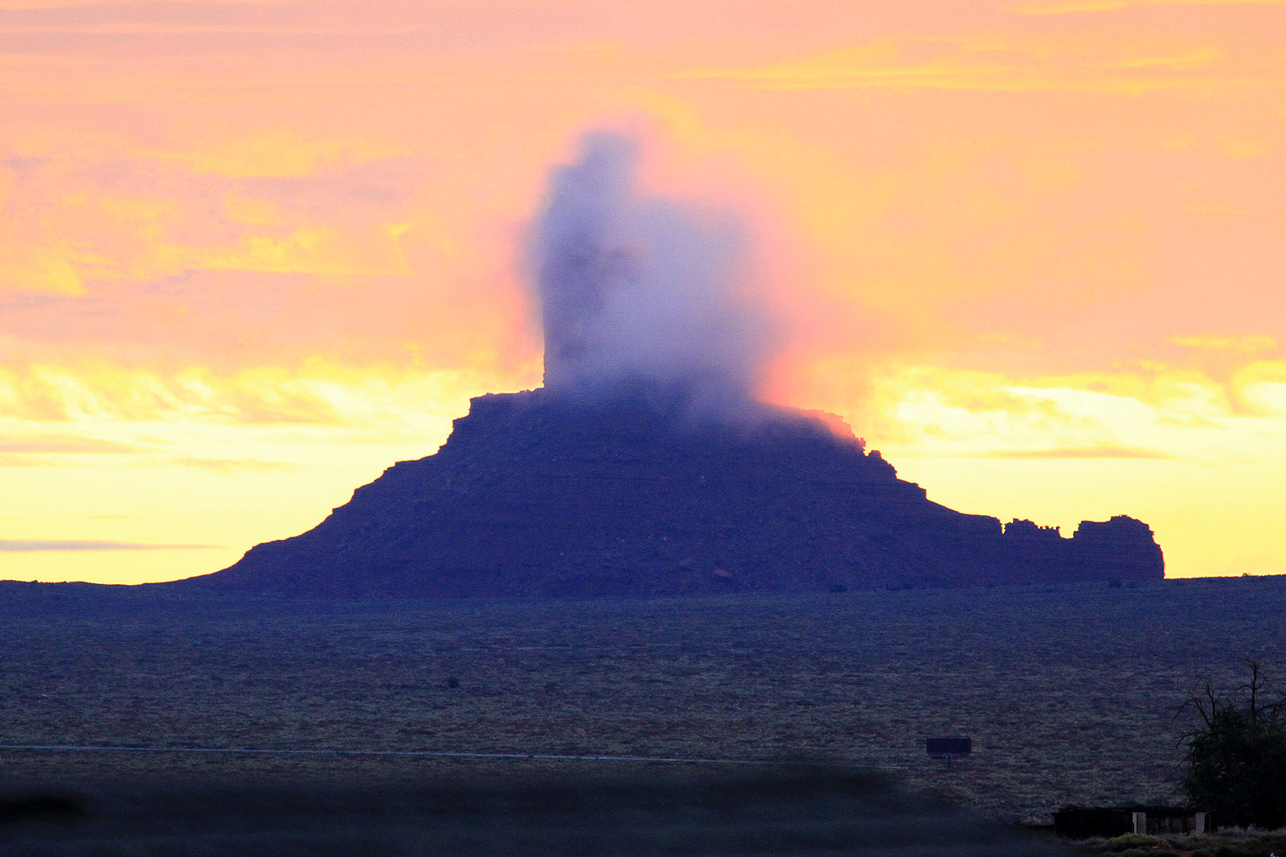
(535, 494)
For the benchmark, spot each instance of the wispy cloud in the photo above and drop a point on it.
(1081, 6)
(1081, 452)
(263, 396)
(230, 466)
(31, 545)
(171, 16)
(1253, 343)
(1016, 66)
(64, 444)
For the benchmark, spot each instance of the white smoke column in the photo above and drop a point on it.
(640, 290)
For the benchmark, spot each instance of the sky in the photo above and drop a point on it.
(254, 252)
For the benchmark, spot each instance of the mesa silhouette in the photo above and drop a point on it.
(537, 494)
(646, 465)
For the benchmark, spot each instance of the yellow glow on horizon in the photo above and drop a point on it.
(215, 463)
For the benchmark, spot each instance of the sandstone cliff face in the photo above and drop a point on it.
(536, 495)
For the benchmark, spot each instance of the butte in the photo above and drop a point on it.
(537, 494)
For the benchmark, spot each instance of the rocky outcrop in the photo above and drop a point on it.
(539, 495)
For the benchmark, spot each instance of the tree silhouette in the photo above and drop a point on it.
(1236, 758)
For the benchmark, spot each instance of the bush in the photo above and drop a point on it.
(1133, 841)
(1236, 759)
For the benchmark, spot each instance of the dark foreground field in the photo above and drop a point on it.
(1068, 693)
(651, 811)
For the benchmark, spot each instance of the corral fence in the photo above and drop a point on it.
(1079, 822)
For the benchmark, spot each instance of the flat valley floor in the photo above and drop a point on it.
(1069, 692)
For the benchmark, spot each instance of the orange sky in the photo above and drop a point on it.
(253, 252)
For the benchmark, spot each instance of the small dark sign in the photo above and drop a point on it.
(948, 746)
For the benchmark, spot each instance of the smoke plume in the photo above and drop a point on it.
(639, 291)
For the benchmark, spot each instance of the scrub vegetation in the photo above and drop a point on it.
(1233, 842)
(1236, 758)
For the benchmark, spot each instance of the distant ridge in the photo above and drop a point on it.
(542, 494)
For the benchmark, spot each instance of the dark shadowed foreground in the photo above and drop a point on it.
(788, 810)
(1068, 692)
